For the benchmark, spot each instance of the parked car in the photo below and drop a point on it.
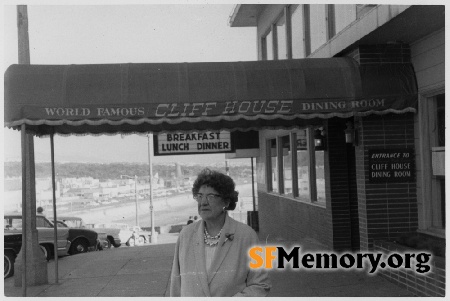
(139, 236)
(12, 245)
(78, 223)
(13, 224)
(112, 234)
(83, 240)
(124, 231)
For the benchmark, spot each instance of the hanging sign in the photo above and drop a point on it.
(178, 143)
(391, 165)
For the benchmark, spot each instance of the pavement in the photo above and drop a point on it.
(144, 271)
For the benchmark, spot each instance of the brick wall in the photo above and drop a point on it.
(342, 204)
(431, 284)
(386, 210)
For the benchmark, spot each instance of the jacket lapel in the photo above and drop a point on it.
(223, 247)
(199, 252)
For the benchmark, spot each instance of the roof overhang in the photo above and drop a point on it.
(164, 97)
(245, 15)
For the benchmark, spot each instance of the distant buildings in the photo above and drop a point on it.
(87, 190)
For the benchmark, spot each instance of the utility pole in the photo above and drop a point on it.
(135, 194)
(30, 266)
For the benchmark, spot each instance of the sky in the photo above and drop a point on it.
(107, 34)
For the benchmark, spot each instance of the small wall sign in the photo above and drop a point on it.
(391, 165)
(178, 143)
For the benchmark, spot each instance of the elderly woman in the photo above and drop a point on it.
(211, 255)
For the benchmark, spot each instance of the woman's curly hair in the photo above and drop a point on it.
(220, 182)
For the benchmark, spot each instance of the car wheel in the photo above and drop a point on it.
(78, 246)
(47, 251)
(131, 242)
(111, 242)
(8, 258)
(141, 240)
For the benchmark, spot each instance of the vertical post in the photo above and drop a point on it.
(55, 223)
(253, 188)
(136, 199)
(22, 25)
(24, 58)
(24, 206)
(150, 173)
(227, 169)
(30, 268)
(307, 29)
(288, 28)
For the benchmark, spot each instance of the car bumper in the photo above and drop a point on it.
(64, 250)
(102, 244)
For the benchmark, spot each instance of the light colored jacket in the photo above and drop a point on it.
(230, 273)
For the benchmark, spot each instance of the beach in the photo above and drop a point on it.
(170, 210)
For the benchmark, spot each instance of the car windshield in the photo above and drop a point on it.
(73, 223)
(15, 222)
(61, 224)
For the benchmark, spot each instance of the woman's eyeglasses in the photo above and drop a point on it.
(211, 197)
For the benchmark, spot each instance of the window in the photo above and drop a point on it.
(286, 168)
(269, 46)
(306, 29)
(320, 175)
(298, 164)
(440, 113)
(42, 222)
(344, 15)
(281, 38)
(438, 198)
(431, 129)
(272, 171)
(298, 34)
(13, 223)
(318, 25)
(302, 164)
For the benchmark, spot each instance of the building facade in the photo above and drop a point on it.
(333, 181)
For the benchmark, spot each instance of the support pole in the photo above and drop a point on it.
(136, 199)
(30, 266)
(33, 262)
(24, 206)
(55, 224)
(150, 173)
(23, 40)
(253, 188)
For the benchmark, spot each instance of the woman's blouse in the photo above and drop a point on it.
(209, 255)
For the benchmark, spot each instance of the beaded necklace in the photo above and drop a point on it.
(211, 240)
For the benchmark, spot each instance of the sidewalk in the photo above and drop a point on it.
(145, 271)
(125, 271)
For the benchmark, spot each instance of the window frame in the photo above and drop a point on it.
(312, 198)
(429, 184)
(269, 179)
(330, 30)
(330, 20)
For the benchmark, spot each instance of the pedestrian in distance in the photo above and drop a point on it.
(190, 220)
(211, 257)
